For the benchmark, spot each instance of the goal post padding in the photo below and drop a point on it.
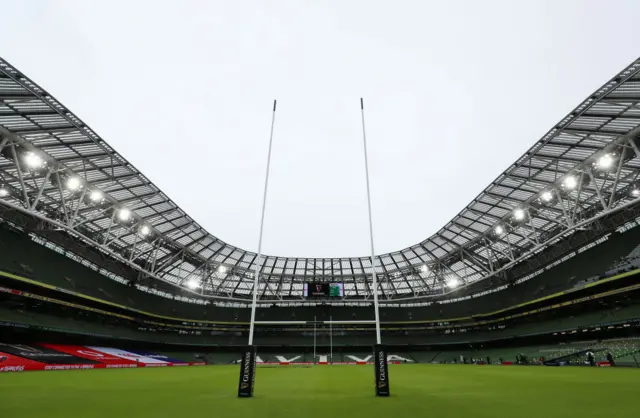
(381, 370)
(247, 372)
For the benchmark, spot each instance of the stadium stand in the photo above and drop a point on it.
(68, 275)
(624, 351)
(496, 284)
(69, 322)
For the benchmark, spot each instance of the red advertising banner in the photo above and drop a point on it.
(89, 354)
(11, 291)
(43, 354)
(11, 363)
(55, 357)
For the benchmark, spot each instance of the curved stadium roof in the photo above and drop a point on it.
(55, 168)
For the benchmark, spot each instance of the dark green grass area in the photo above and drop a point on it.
(324, 391)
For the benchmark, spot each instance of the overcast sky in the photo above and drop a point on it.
(454, 93)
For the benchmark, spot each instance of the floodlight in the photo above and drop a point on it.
(605, 162)
(145, 230)
(546, 196)
(33, 161)
(570, 182)
(96, 196)
(124, 214)
(74, 183)
(453, 282)
(222, 269)
(4, 192)
(499, 230)
(518, 214)
(193, 284)
(635, 192)
(424, 268)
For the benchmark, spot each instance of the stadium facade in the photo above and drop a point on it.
(93, 253)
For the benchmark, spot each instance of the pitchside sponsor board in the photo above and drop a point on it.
(22, 357)
(322, 358)
(89, 354)
(367, 359)
(43, 354)
(160, 357)
(381, 370)
(247, 372)
(11, 363)
(127, 355)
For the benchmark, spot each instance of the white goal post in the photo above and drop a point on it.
(248, 362)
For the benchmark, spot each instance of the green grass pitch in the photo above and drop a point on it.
(324, 391)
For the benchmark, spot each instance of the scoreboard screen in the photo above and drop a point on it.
(323, 290)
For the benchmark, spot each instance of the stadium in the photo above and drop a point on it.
(527, 302)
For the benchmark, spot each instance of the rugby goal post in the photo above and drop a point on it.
(248, 359)
(249, 355)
